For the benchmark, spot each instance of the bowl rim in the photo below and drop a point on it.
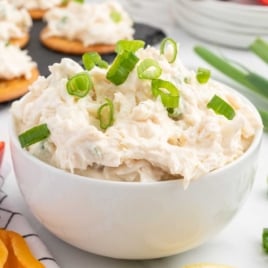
(252, 147)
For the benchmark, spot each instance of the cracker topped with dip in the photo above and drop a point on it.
(36, 8)
(83, 27)
(15, 77)
(15, 24)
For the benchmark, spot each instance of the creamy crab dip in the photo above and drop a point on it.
(90, 23)
(35, 4)
(10, 69)
(14, 23)
(148, 137)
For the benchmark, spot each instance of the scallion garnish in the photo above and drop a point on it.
(174, 113)
(202, 75)
(122, 65)
(221, 107)
(265, 239)
(167, 91)
(244, 77)
(149, 69)
(34, 135)
(79, 85)
(251, 80)
(92, 59)
(169, 48)
(115, 16)
(129, 45)
(106, 114)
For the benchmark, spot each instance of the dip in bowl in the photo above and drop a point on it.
(148, 161)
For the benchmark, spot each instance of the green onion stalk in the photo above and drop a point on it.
(255, 83)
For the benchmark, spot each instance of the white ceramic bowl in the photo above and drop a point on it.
(132, 220)
(222, 22)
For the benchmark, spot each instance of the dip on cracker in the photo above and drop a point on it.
(82, 27)
(36, 8)
(14, 24)
(15, 76)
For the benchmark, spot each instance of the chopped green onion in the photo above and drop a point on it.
(265, 239)
(34, 135)
(92, 59)
(220, 106)
(221, 65)
(122, 65)
(116, 16)
(202, 75)
(149, 69)
(174, 113)
(253, 81)
(245, 78)
(106, 114)
(79, 85)
(167, 91)
(165, 46)
(129, 45)
(260, 48)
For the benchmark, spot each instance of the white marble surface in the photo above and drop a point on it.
(239, 244)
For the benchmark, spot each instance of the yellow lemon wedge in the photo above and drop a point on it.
(14, 252)
(22, 251)
(3, 254)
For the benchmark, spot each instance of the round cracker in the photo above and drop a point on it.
(37, 14)
(20, 42)
(73, 47)
(15, 88)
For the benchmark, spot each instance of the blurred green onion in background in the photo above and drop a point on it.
(255, 83)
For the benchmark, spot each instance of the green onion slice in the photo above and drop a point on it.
(149, 69)
(129, 45)
(265, 239)
(165, 46)
(92, 59)
(174, 113)
(220, 106)
(115, 16)
(79, 85)
(202, 75)
(244, 77)
(167, 91)
(106, 114)
(123, 64)
(34, 135)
